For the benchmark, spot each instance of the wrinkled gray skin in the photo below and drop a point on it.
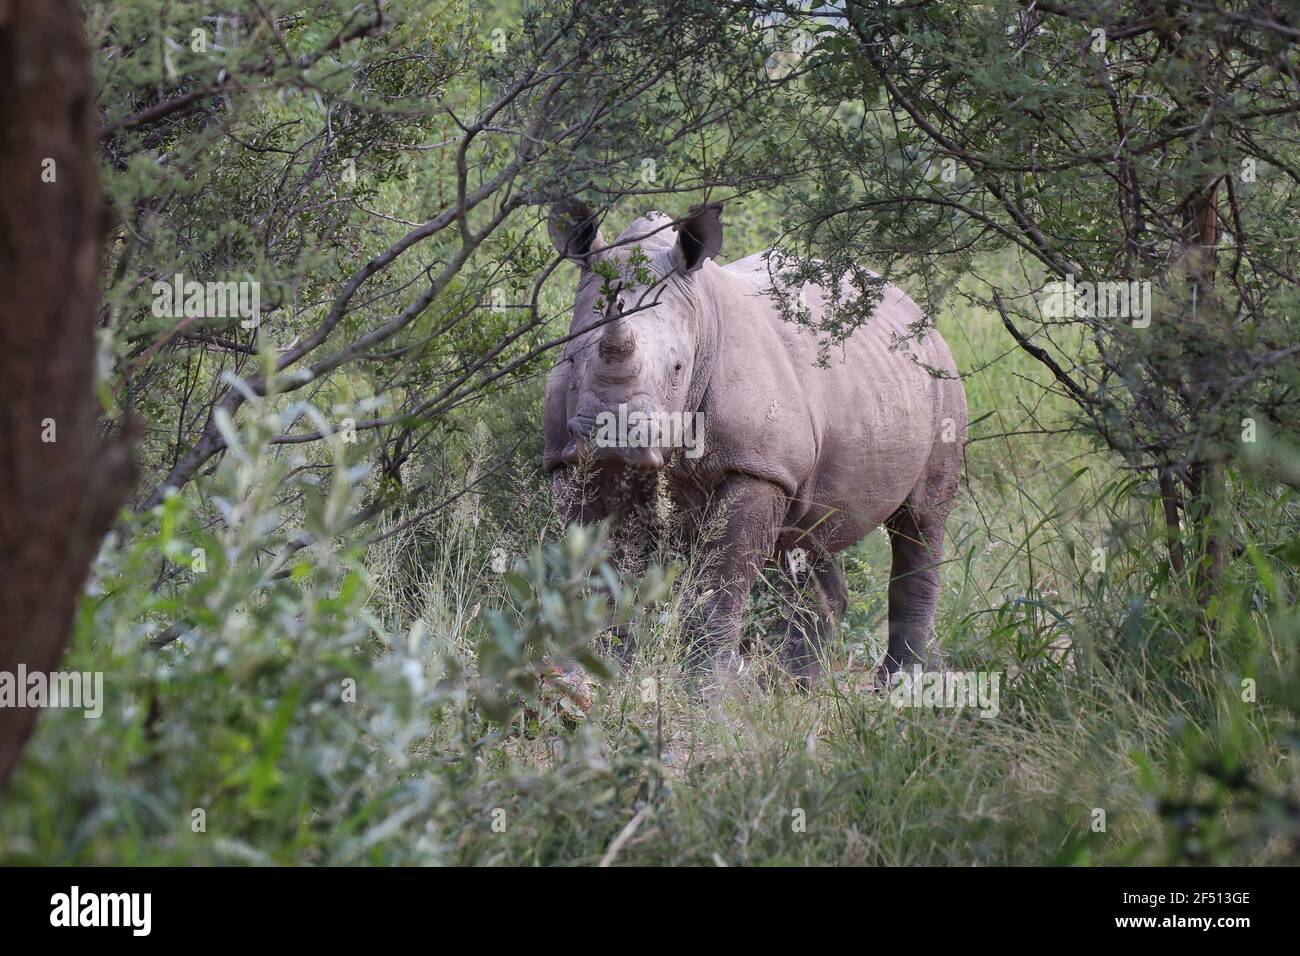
(795, 455)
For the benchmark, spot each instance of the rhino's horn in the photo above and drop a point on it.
(617, 343)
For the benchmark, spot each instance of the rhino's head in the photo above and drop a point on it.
(635, 379)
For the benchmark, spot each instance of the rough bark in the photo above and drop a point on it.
(57, 497)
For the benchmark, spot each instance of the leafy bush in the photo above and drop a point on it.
(285, 723)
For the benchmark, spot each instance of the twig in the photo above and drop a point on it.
(1079, 394)
(624, 835)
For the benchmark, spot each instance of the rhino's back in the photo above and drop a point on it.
(850, 439)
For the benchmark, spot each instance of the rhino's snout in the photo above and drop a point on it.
(643, 458)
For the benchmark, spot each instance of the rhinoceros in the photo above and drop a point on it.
(788, 453)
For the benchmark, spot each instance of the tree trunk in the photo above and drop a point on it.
(1205, 479)
(61, 481)
(1170, 501)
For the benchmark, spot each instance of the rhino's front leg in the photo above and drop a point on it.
(750, 512)
(587, 498)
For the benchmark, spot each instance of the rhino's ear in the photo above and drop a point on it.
(575, 230)
(699, 237)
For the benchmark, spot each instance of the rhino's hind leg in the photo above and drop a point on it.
(818, 600)
(916, 538)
